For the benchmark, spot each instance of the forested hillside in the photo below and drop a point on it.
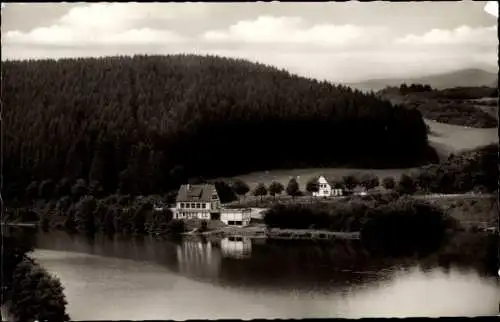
(142, 124)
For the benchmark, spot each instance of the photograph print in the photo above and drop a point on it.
(174, 161)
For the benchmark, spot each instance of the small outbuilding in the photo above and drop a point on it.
(236, 217)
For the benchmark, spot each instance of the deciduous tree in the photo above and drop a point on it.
(292, 188)
(260, 190)
(240, 187)
(276, 188)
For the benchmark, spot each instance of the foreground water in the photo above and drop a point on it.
(142, 278)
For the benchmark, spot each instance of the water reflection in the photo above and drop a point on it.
(140, 292)
(198, 258)
(237, 247)
(252, 278)
(277, 264)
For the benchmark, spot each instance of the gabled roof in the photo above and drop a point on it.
(331, 181)
(196, 193)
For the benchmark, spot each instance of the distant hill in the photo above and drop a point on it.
(144, 123)
(460, 78)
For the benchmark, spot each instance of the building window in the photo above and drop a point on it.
(182, 205)
(230, 222)
(214, 197)
(238, 223)
(193, 205)
(198, 206)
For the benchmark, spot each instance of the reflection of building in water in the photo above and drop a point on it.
(236, 247)
(198, 258)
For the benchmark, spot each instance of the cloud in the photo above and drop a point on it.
(346, 52)
(64, 36)
(294, 30)
(463, 35)
(109, 24)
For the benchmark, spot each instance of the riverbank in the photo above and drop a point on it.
(261, 231)
(303, 218)
(29, 292)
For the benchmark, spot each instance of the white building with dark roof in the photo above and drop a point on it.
(328, 188)
(199, 201)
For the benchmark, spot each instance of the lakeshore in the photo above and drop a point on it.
(260, 231)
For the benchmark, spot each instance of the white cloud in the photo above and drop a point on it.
(109, 23)
(60, 35)
(463, 35)
(294, 30)
(322, 50)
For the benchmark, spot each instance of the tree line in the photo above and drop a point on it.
(88, 209)
(474, 170)
(144, 124)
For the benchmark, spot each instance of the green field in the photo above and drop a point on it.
(447, 138)
(303, 175)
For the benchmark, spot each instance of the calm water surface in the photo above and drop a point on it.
(142, 278)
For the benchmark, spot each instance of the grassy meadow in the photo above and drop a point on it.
(303, 175)
(447, 138)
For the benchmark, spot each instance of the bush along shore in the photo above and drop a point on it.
(344, 217)
(150, 215)
(79, 207)
(29, 292)
(383, 219)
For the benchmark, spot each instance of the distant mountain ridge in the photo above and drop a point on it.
(461, 78)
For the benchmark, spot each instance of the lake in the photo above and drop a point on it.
(113, 278)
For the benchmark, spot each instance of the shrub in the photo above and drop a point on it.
(403, 227)
(36, 295)
(176, 226)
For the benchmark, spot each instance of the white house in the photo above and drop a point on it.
(236, 217)
(197, 202)
(327, 188)
(236, 247)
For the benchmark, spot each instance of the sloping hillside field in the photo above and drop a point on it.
(446, 138)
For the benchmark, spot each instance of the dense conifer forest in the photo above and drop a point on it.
(144, 124)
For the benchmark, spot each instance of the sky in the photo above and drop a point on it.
(337, 41)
